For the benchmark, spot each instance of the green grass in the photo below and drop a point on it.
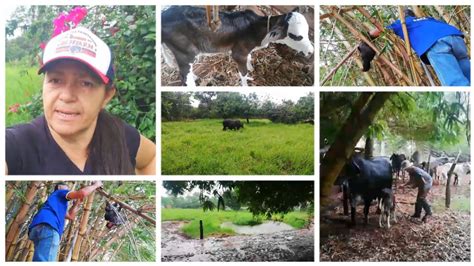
(212, 220)
(21, 84)
(295, 219)
(201, 147)
(458, 202)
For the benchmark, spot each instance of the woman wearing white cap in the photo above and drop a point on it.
(76, 135)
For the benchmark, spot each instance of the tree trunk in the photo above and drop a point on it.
(69, 236)
(362, 115)
(11, 186)
(83, 227)
(25, 251)
(448, 182)
(468, 120)
(408, 45)
(31, 252)
(14, 230)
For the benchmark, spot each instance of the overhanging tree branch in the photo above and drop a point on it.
(126, 206)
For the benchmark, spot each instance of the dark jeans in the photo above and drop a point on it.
(422, 203)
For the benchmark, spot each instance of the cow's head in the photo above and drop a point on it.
(291, 29)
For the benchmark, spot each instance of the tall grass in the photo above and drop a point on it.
(22, 82)
(262, 147)
(212, 220)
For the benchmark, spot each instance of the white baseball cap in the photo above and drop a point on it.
(80, 44)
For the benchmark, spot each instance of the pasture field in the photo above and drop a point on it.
(22, 83)
(212, 220)
(201, 147)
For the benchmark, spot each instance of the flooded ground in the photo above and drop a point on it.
(288, 245)
(269, 227)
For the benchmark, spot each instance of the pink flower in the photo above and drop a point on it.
(77, 14)
(60, 24)
(63, 22)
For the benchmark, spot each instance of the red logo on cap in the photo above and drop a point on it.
(77, 44)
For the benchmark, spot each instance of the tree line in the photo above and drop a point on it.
(259, 197)
(176, 106)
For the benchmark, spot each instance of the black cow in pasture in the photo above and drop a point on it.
(367, 179)
(185, 34)
(232, 124)
(397, 160)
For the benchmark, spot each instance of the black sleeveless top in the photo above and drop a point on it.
(31, 150)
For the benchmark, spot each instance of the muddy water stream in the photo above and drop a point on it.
(264, 228)
(280, 245)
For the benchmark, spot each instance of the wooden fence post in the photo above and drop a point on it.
(201, 230)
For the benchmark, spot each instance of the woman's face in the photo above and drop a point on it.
(73, 98)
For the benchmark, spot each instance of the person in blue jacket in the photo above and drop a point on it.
(47, 225)
(439, 44)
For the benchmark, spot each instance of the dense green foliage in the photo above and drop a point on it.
(130, 31)
(177, 106)
(202, 147)
(439, 120)
(212, 220)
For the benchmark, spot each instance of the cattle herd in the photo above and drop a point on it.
(371, 179)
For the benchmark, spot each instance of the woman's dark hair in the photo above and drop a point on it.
(108, 144)
(109, 147)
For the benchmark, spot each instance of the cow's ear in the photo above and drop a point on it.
(296, 9)
(275, 33)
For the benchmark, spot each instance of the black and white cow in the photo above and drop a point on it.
(185, 34)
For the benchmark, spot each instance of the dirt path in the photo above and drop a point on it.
(446, 237)
(296, 245)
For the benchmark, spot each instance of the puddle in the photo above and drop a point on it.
(269, 227)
